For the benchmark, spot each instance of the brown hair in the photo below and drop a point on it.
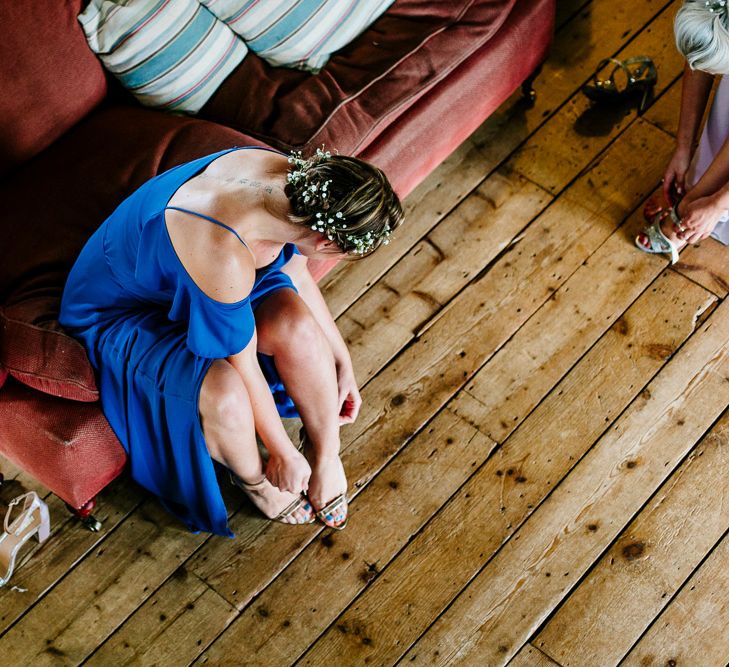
(359, 208)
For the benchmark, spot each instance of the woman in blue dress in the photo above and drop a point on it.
(197, 310)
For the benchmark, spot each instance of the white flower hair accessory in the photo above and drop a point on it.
(716, 6)
(314, 195)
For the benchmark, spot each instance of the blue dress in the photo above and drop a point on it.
(151, 334)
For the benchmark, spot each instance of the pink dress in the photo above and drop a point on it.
(713, 137)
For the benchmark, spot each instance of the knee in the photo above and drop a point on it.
(289, 321)
(224, 399)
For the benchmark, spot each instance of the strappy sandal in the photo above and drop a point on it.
(640, 81)
(33, 520)
(333, 514)
(284, 514)
(659, 242)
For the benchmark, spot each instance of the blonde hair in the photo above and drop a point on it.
(702, 35)
(359, 195)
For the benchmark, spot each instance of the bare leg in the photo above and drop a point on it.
(288, 331)
(227, 421)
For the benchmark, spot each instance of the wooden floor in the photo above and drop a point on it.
(541, 464)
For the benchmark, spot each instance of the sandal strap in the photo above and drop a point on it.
(609, 82)
(17, 526)
(290, 509)
(659, 241)
(283, 514)
(337, 502)
(645, 64)
(246, 485)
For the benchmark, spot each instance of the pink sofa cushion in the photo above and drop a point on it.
(35, 351)
(410, 49)
(50, 77)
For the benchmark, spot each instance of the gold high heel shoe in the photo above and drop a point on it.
(32, 520)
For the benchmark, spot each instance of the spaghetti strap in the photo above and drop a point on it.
(213, 220)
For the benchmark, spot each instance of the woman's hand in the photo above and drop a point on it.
(349, 399)
(698, 218)
(674, 178)
(289, 472)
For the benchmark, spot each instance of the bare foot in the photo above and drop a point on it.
(272, 501)
(326, 483)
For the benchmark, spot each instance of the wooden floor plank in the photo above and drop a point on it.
(8, 469)
(42, 566)
(389, 315)
(600, 30)
(517, 590)
(406, 394)
(470, 294)
(98, 593)
(635, 579)
(522, 372)
(706, 264)
(420, 583)
(664, 113)
(572, 137)
(338, 566)
(693, 629)
(531, 656)
(170, 627)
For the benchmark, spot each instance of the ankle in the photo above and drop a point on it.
(322, 446)
(250, 481)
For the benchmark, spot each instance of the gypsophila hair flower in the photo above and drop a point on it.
(313, 195)
(716, 6)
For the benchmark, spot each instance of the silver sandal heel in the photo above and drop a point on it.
(33, 521)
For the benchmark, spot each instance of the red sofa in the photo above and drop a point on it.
(73, 144)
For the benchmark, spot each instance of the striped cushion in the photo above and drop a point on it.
(297, 33)
(171, 54)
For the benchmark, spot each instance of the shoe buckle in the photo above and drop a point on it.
(11, 504)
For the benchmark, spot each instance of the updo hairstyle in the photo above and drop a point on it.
(702, 35)
(347, 199)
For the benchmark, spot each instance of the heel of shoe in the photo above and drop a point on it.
(44, 530)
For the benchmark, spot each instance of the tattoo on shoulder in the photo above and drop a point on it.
(243, 181)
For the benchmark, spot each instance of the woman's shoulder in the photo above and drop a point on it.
(215, 258)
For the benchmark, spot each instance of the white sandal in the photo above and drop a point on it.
(660, 243)
(33, 520)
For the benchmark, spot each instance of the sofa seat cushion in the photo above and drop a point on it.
(53, 203)
(365, 86)
(51, 80)
(68, 447)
